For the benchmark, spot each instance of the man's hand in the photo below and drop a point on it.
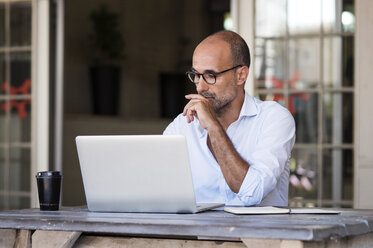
(201, 108)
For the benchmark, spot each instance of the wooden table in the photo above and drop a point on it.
(77, 227)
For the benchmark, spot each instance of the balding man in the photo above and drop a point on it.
(239, 146)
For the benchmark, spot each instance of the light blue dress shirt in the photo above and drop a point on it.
(263, 135)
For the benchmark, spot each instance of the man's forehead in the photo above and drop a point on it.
(203, 70)
(213, 46)
(212, 55)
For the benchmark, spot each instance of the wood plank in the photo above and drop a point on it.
(7, 238)
(292, 244)
(111, 242)
(361, 241)
(23, 239)
(57, 239)
(272, 243)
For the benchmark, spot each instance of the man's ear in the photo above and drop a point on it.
(243, 73)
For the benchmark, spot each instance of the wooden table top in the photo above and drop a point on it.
(216, 224)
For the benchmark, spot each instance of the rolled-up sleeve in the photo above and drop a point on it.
(268, 159)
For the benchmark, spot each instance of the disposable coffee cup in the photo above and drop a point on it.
(49, 188)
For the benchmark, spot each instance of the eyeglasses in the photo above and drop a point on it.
(208, 76)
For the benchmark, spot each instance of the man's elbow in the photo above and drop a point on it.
(235, 187)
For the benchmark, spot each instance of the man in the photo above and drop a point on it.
(239, 146)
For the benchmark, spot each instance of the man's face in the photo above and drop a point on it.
(215, 56)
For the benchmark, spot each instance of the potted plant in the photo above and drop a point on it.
(106, 54)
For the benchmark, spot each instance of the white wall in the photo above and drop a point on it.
(40, 93)
(363, 105)
(242, 12)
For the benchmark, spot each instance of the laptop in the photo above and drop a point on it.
(138, 173)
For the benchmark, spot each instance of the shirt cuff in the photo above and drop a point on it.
(251, 191)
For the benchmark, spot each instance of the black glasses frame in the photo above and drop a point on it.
(192, 74)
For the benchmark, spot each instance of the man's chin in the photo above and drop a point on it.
(220, 108)
(217, 108)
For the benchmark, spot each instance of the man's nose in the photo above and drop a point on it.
(202, 85)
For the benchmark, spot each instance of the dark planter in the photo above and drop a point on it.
(105, 87)
(174, 87)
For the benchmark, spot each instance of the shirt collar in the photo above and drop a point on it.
(249, 108)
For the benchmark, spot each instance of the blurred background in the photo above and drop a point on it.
(70, 68)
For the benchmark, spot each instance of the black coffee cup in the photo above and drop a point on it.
(49, 188)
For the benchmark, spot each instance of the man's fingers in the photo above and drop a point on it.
(186, 108)
(191, 114)
(190, 104)
(190, 111)
(197, 103)
(194, 96)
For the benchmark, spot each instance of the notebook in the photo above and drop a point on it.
(138, 173)
(279, 210)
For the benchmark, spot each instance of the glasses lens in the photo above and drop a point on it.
(209, 78)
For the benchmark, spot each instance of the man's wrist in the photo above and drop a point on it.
(215, 127)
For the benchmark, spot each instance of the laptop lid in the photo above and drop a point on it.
(136, 173)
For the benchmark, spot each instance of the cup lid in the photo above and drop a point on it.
(48, 174)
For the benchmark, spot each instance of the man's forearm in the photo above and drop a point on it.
(234, 168)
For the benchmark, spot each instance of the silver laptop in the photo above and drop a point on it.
(137, 173)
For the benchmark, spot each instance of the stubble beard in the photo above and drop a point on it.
(220, 105)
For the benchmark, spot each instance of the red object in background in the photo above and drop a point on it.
(24, 89)
(278, 84)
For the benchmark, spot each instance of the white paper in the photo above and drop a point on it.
(278, 210)
(256, 210)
